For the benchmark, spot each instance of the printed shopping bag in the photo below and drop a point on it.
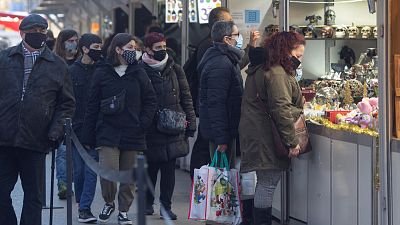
(223, 199)
(198, 204)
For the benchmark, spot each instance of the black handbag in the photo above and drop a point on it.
(171, 122)
(114, 104)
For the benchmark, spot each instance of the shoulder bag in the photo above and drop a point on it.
(170, 121)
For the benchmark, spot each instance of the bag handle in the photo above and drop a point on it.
(223, 163)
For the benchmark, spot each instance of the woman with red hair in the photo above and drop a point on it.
(271, 85)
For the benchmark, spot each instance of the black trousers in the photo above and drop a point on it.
(200, 153)
(167, 181)
(29, 166)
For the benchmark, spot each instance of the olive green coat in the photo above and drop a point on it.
(281, 95)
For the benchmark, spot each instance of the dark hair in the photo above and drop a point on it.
(87, 40)
(63, 36)
(279, 47)
(221, 29)
(216, 15)
(156, 29)
(106, 44)
(120, 40)
(50, 34)
(139, 43)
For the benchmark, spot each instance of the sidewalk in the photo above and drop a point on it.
(180, 203)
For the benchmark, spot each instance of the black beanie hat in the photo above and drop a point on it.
(88, 39)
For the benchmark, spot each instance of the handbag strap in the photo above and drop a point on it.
(263, 103)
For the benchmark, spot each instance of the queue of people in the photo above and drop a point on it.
(121, 98)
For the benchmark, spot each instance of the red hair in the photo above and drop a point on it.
(153, 38)
(279, 47)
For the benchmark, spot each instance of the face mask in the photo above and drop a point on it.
(35, 40)
(299, 74)
(94, 54)
(138, 55)
(295, 62)
(71, 47)
(129, 56)
(160, 55)
(239, 42)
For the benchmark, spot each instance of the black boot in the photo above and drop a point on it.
(247, 216)
(262, 216)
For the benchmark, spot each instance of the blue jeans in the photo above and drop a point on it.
(85, 179)
(61, 164)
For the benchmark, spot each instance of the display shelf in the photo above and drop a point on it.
(341, 39)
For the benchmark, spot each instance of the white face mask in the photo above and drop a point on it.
(138, 55)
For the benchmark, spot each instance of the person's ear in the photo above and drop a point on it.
(119, 50)
(226, 40)
(22, 35)
(85, 50)
(148, 50)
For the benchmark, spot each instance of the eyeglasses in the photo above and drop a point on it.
(236, 34)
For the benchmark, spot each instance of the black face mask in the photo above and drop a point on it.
(94, 54)
(35, 40)
(160, 55)
(295, 62)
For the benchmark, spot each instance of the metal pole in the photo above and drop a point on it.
(69, 169)
(382, 212)
(185, 32)
(384, 130)
(131, 17)
(284, 198)
(141, 183)
(284, 15)
(43, 182)
(53, 159)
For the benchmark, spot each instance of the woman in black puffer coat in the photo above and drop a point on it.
(172, 89)
(121, 108)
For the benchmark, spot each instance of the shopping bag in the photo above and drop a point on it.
(198, 204)
(248, 183)
(223, 199)
(198, 195)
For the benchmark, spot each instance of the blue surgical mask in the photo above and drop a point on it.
(299, 73)
(239, 42)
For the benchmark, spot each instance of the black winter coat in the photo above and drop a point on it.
(124, 130)
(173, 92)
(82, 75)
(29, 122)
(221, 90)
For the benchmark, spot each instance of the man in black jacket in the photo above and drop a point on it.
(82, 74)
(221, 89)
(36, 97)
(200, 155)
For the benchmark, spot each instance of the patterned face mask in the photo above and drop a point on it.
(129, 56)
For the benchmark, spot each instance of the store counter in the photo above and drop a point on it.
(333, 184)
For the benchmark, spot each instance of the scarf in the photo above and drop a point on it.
(157, 65)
